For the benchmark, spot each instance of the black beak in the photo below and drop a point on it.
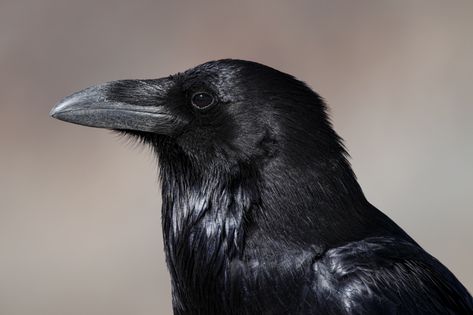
(139, 105)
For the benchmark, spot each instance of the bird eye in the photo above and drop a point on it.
(202, 100)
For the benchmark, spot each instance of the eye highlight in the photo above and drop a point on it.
(202, 100)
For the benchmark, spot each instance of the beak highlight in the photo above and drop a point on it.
(124, 105)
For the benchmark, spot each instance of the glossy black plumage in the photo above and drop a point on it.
(262, 213)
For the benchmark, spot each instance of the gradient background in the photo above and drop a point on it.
(80, 220)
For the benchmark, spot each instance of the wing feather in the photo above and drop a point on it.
(387, 276)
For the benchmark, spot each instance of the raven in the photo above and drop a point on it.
(262, 213)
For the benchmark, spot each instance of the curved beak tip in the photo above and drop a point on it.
(54, 112)
(59, 107)
(65, 105)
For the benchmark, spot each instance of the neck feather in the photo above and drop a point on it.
(203, 225)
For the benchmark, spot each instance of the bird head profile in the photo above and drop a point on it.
(230, 121)
(225, 112)
(259, 199)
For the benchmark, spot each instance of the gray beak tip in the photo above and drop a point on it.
(61, 107)
(54, 112)
(67, 108)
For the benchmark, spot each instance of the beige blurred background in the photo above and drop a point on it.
(80, 220)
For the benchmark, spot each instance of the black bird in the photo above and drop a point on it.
(262, 213)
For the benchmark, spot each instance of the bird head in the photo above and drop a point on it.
(224, 112)
(231, 123)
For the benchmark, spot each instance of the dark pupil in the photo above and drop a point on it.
(202, 99)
